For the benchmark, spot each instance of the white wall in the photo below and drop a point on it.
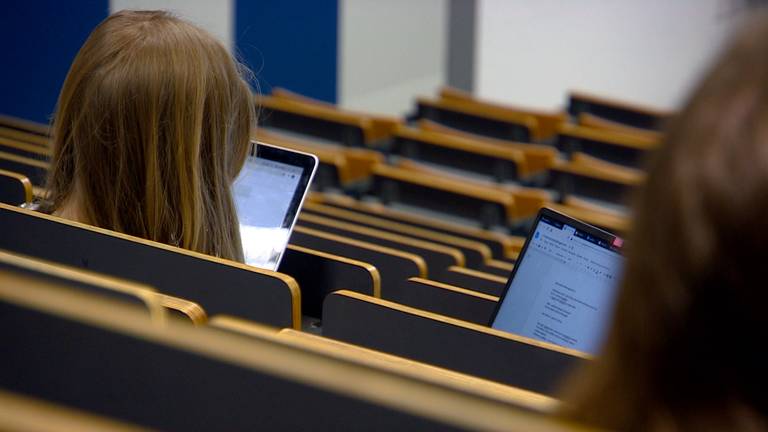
(647, 51)
(216, 16)
(389, 52)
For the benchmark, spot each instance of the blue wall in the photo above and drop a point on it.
(290, 44)
(39, 41)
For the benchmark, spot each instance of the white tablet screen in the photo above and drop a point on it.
(265, 192)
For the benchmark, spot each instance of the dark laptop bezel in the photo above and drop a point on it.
(562, 218)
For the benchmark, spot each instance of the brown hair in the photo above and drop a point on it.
(152, 126)
(682, 353)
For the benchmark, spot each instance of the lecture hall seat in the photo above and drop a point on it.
(443, 341)
(548, 121)
(15, 188)
(112, 363)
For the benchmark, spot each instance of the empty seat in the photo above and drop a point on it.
(496, 162)
(616, 147)
(19, 148)
(448, 300)
(142, 296)
(475, 253)
(22, 125)
(15, 188)
(498, 267)
(487, 204)
(34, 169)
(393, 265)
(619, 111)
(547, 121)
(479, 119)
(284, 110)
(320, 273)
(475, 280)
(538, 157)
(158, 305)
(597, 122)
(501, 245)
(587, 177)
(42, 141)
(437, 257)
(450, 343)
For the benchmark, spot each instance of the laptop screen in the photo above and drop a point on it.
(563, 287)
(268, 194)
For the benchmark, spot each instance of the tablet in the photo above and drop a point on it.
(563, 285)
(268, 195)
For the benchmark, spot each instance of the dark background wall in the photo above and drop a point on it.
(291, 44)
(39, 40)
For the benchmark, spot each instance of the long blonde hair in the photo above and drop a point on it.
(152, 126)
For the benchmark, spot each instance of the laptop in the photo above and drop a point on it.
(268, 195)
(564, 283)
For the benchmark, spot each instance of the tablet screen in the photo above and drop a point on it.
(563, 288)
(268, 195)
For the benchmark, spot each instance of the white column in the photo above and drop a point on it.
(389, 52)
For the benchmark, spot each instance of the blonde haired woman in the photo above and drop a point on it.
(152, 126)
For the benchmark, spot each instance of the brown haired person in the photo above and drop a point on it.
(685, 349)
(152, 127)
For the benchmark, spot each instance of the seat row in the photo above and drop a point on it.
(75, 360)
(369, 276)
(413, 182)
(317, 264)
(345, 314)
(425, 253)
(575, 159)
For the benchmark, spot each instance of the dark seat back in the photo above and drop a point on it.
(35, 170)
(497, 242)
(448, 300)
(571, 184)
(438, 257)
(394, 266)
(21, 148)
(606, 150)
(15, 188)
(618, 112)
(219, 286)
(474, 280)
(480, 125)
(465, 159)
(321, 273)
(475, 252)
(430, 338)
(145, 297)
(397, 186)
